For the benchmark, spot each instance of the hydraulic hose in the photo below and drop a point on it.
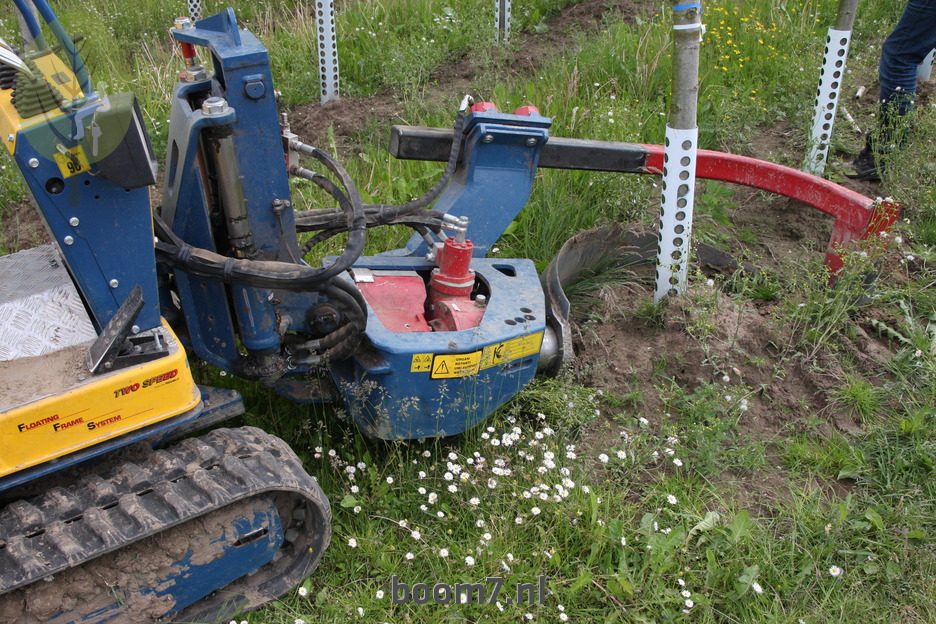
(432, 194)
(376, 214)
(340, 343)
(174, 252)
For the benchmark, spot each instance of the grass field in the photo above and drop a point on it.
(792, 483)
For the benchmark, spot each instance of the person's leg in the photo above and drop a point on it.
(904, 49)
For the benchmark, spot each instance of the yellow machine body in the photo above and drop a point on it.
(60, 76)
(94, 409)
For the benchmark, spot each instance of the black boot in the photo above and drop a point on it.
(867, 168)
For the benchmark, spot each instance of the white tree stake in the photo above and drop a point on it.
(827, 97)
(926, 67)
(327, 50)
(679, 175)
(679, 153)
(502, 21)
(830, 84)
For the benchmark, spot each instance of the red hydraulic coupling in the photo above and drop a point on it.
(454, 276)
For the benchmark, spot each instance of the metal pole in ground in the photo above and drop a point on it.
(502, 21)
(830, 84)
(195, 9)
(327, 50)
(679, 152)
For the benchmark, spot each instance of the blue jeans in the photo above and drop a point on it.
(905, 48)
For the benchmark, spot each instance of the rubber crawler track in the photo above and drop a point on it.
(66, 527)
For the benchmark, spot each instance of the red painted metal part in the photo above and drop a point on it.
(526, 111)
(454, 275)
(188, 53)
(450, 305)
(481, 107)
(399, 301)
(856, 217)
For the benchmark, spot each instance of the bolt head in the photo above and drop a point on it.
(34, 162)
(531, 142)
(10, 138)
(135, 329)
(214, 106)
(183, 23)
(68, 240)
(196, 73)
(73, 222)
(113, 283)
(488, 138)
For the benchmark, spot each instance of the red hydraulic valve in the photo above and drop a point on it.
(450, 306)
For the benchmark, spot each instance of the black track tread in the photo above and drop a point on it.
(98, 514)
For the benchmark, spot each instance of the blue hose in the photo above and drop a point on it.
(34, 31)
(78, 66)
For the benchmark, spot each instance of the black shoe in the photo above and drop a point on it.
(866, 169)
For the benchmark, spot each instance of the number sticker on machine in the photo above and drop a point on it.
(71, 161)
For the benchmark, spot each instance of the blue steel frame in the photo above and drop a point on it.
(379, 388)
(110, 248)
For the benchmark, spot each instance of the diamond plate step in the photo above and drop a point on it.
(40, 310)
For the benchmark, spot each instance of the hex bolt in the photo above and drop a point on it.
(531, 142)
(114, 283)
(214, 106)
(183, 23)
(135, 329)
(279, 205)
(73, 222)
(480, 299)
(10, 138)
(68, 240)
(34, 162)
(488, 138)
(195, 73)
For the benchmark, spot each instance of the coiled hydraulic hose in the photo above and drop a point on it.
(176, 253)
(412, 214)
(265, 273)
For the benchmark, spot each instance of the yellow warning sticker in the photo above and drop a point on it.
(422, 363)
(71, 161)
(457, 365)
(514, 349)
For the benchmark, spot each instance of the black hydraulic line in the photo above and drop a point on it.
(420, 225)
(275, 275)
(377, 214)
(340, 343)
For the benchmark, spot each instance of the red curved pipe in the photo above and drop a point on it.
(856, 217)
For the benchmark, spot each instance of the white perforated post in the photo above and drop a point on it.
(327, 50)
(679, 154)
(194, 9)
(501, 21)
(827, 97)
(679, 173)
(830, 84)
(926, 67)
